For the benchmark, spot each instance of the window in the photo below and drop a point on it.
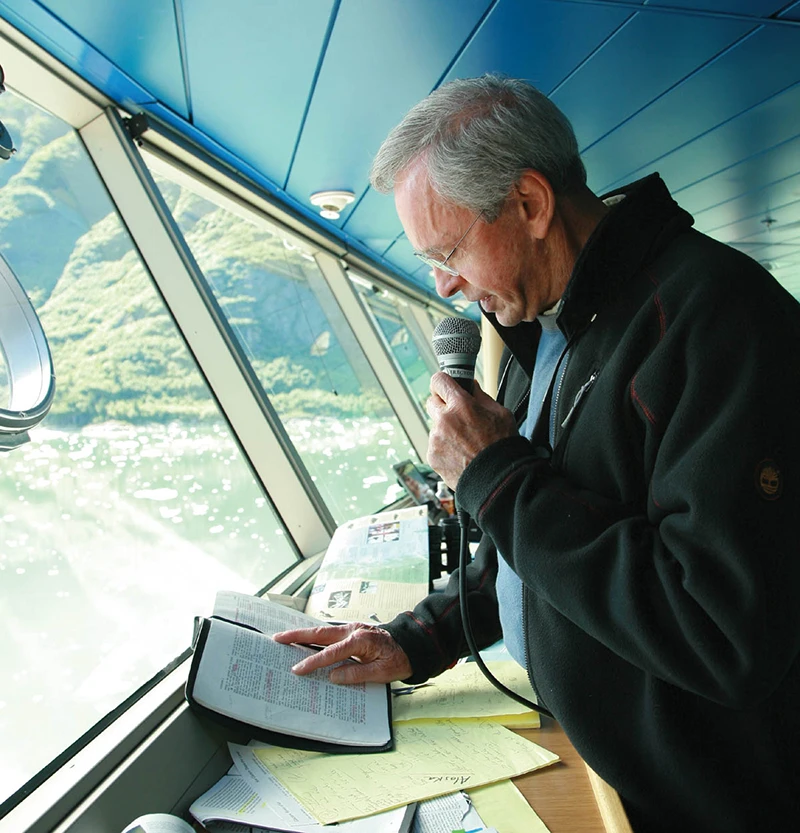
(300, 346)
(414, 358)
(132, 503)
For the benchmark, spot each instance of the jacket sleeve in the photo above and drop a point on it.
(697, 580)
(432, 635)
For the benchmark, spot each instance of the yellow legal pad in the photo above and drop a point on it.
(505, 808)
(431, 758)
(464, 692)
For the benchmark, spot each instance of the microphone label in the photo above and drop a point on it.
(459, 372)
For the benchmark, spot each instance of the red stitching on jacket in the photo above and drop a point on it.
(489, 500)
(662, 329)
(427, 630)
(445, 613)
(662, 318)
(635, 396)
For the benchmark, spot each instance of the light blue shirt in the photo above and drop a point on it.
(509, 586)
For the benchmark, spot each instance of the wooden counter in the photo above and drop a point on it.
(568, 796)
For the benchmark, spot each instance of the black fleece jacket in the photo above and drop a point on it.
(658, 543)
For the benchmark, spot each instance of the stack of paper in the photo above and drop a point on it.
(249, 798)
(431, 758)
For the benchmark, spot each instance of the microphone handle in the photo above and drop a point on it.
(461, 373)
(467, 384)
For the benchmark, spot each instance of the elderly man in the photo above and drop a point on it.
(638, 487)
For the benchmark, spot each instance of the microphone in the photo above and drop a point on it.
(456, 342)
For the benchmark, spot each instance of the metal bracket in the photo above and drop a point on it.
(136, 126)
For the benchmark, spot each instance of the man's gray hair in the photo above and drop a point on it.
(477, 136)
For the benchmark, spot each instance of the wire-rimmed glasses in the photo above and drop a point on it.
(442, 265)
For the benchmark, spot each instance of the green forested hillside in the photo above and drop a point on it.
(116, 350)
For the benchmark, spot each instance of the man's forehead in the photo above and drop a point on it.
(429, 221)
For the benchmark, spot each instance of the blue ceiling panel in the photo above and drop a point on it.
(726, 87)
(756, 8)
(354, 107)
(297, 96)
(542, 40)
(645, 57)
(770, 254)
(776, 164)
(792, 13)
(773, 235)
(748, 135)
(140, 38)
(252, 67)
(401, 255)
(74, 52)
(739, 218)
(375, 221)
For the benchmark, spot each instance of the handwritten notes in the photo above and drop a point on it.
(431, 758)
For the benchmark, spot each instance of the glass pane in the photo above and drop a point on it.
(302, 350)
(404, 347)
(132, 504)
(5, 390)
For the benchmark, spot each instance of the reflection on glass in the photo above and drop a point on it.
(5, 390)
(132, 504)
(302, 350)
(404, 347)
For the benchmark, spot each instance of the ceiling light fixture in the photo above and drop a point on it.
(332, 203)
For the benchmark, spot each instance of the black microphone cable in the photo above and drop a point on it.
(456, 342)
(464, 520)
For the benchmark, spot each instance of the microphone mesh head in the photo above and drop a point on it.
(456, 335)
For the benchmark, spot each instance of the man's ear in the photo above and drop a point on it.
(537, 202)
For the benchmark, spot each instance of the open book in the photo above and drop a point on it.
(240, 677)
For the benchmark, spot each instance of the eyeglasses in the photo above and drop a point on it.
(435, 263)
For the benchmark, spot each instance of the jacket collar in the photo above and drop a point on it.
(630, 235)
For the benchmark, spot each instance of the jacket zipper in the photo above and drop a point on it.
(528, 668)
(582, 391)
(562, 371)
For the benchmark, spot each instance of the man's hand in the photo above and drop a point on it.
(463, 425)
(381, 659)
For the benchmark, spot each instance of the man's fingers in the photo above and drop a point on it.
(325, 635)
(352, 673)
(380, 658)
(445, 387)
(327, 656)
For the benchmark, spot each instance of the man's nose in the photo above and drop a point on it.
(447, 285)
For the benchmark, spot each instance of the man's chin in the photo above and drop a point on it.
(507, 317)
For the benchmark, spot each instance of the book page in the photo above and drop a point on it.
(430, 759)
(375, 567)
(264, 615)
(246, 675)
